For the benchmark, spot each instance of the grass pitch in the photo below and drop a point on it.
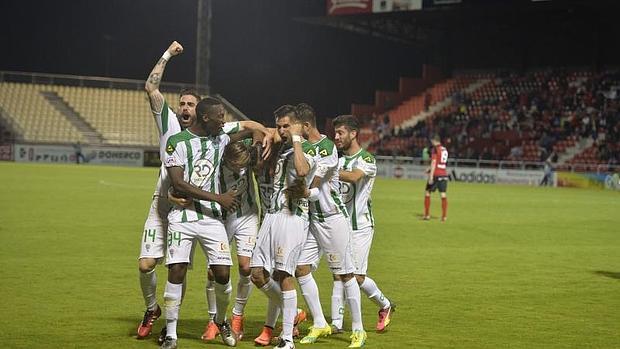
(514, 267)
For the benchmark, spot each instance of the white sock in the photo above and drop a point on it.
(289, 311)
(244, 287)
(222, 295)
(369, 286)
(273, 291)
(338, 304)
(352, 292)
(211, 302)
(172, 303)
(310, 291)
(273, 311)
(274, 294)
(148, 283)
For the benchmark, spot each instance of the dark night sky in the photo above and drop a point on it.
(261, 58)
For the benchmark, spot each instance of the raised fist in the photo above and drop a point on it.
(175, 48)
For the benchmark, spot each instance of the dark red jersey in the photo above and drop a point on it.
(440, 155)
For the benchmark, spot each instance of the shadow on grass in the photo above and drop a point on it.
(609, 274)
(190, 330)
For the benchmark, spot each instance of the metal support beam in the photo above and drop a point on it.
(203, 45)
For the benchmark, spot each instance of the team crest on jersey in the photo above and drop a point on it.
(368, 159)
(311, 152)
(203, 170)
(323, 152)
(346, 192)
(169, 149)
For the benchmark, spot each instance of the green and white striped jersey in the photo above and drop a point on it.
(200, 159)
(265, 189)
(329, 200)
(285, 175)
(243, 182)
(357, 195)
(167, 125)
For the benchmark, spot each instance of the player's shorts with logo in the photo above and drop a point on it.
(332, 237)
(209, 233)
(280, 240)
(153, 242)
(439, 183)
(244, 230)
(361, 243)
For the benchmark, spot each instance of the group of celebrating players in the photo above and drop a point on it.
(311, 203)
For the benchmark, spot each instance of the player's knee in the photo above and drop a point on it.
(146, 265)
(346, 277)
(258, 277)
(302, 270)
(221, 274)
(244, 270)
(176, 273)
(210, 275)
(360, 279)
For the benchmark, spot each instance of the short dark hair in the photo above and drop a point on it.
(190, 92)
(208, 106)
(286, 110)
(436, 137)
(306, 113)
(348, 121)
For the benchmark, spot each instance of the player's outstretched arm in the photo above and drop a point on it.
(156, 99)
(258, 127)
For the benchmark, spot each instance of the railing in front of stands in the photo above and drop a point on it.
(91, 81)
(505, 164)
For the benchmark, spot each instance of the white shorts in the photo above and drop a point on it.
(311, 253)
(244, 230)
(361, 242)
(332, 238)
(153, 242)
(208, 232)
(280, 240)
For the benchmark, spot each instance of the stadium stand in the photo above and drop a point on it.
(68, 114)
(33, 117)
(508, 116)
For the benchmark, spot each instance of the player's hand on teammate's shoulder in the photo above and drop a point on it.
(268, 140)
(175, 48)
(229, 200)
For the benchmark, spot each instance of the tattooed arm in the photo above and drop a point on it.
(156, 99)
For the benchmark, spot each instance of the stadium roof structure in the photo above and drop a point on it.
(483, 22)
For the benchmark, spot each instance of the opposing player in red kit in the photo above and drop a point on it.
(437, 178)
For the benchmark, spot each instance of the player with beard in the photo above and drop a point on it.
(357, 175)
(329, 233)
(284, 228)
(153, 239)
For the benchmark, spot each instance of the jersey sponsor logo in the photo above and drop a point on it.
(368, 159)
(346, 191)
(323, 152)
(169, 149)
(311, 152)
(203, 170)
(241, 185)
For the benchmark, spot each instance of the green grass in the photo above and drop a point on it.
(514, 267)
